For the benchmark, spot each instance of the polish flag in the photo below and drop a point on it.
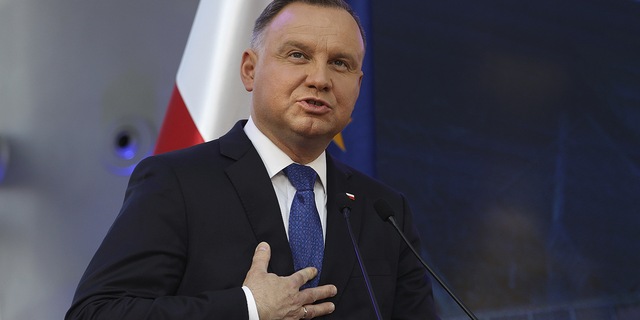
(208, 96)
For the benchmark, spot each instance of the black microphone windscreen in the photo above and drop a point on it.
(383, 209)
(343, 201)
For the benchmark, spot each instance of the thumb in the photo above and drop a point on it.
(261, 257)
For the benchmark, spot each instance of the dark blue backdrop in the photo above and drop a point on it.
(514, 129)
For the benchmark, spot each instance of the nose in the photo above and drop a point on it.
(318, 77)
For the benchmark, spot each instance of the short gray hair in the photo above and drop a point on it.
(276, 6)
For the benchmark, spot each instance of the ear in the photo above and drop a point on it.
(248, 68)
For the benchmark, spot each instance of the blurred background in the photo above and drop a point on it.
(512, 126)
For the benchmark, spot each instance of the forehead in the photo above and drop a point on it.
(325, 25)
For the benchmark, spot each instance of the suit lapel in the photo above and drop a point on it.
(339, 258)
(253, 185)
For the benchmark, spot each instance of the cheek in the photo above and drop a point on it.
(348, 85)
(269, 91)
(347, 97)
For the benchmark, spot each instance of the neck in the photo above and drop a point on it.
(302, 153)
(301, 149)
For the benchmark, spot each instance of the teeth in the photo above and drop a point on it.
(315, 103)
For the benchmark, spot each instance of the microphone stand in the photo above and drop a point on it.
(393, 222)
(345, 211)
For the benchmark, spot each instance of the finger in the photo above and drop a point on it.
(317, 310)
(311, 295)
(302, 276)
(261, 257)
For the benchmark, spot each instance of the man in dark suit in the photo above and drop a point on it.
(207, 232)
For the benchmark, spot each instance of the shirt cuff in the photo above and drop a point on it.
(251, 304)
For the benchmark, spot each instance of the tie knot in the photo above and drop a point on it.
(302, 177)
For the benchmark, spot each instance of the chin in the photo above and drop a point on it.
(316, 134)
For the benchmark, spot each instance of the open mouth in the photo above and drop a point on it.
(315, 103)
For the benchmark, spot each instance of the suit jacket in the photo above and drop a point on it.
(191, 220)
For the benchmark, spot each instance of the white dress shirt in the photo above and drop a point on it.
(275, 160)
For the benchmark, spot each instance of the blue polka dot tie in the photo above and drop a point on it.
(305, 229)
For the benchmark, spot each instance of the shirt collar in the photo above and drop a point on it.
(275, 159)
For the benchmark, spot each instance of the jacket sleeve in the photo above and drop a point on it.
(138, 268)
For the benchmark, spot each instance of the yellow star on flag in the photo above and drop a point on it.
(339, 141)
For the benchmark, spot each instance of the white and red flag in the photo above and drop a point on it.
(209, 97)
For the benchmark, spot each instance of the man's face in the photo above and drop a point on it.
(306, 75)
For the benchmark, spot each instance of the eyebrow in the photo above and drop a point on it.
(295, 44)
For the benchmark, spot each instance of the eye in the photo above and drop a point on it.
(340, 63)
(297, 55)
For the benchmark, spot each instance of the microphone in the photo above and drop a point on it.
(344, 206)
(384, 210)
